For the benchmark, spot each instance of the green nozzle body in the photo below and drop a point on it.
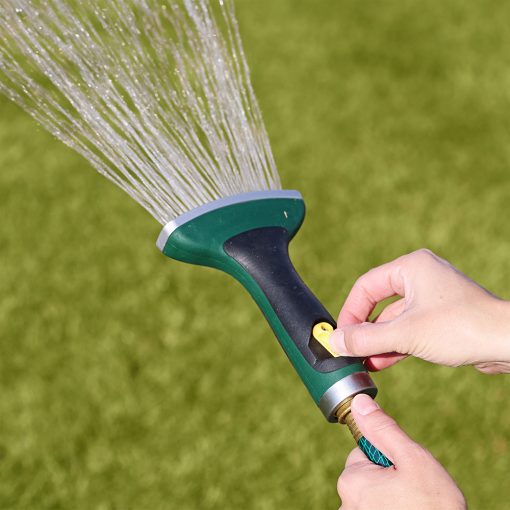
(247, 237)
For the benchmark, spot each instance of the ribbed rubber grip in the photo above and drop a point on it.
(373, 454)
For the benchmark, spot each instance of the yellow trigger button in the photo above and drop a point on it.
(321, 332)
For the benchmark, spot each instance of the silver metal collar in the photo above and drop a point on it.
(358, 382)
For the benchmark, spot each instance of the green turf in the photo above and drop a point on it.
(129, 381)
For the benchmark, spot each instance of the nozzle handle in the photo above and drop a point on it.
(266, 271)
(264, 254)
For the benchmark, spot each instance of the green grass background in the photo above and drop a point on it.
(128, 381)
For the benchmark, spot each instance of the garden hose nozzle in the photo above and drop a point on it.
(247, 236)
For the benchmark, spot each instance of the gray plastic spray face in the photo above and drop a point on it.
(217, 204)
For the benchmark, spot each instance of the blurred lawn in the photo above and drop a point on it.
(123, 385)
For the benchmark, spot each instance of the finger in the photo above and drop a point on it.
(386, 360)
(392, 311)
(368, 339)
(380, 283)
(356, 457)
(382, 430)
(381, 361)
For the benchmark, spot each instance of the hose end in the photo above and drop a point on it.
(344, 417)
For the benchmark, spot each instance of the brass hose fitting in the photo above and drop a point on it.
(344, 416)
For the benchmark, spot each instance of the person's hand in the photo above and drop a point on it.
(443, 317)
(416, 481)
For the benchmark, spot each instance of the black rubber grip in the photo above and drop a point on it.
(264, 254)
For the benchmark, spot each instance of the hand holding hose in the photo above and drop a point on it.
(416, 481)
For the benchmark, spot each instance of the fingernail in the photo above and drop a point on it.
(337, 342)
(363, 404)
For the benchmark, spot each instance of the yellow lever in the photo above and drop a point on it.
(321, 332)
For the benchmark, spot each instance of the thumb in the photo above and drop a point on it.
(366, 339)
(382, 430)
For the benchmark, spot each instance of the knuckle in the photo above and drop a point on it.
(424, 255)
(363, 281)
(425, 252)
(360, 281)
(419, 263)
